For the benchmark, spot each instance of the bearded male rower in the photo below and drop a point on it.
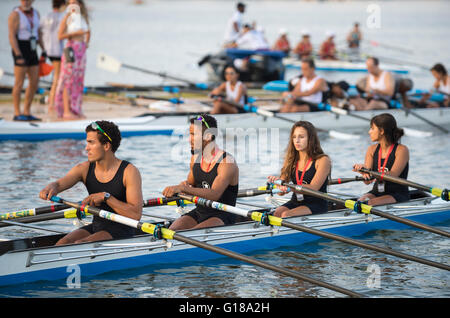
(113, 185)
(213, 175)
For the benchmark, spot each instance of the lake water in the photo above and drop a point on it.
(172, 36)
(166, 35)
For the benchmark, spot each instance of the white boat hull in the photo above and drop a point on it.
(171, 123)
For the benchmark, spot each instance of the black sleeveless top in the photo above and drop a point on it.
(307, 178)
(205, 180)
(114, 187)
(389, 187)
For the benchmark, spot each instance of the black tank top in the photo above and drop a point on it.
(389, 187)
(307, 178)
(114, 187)
(205, 180)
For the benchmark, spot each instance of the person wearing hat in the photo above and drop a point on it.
(282, 43)
(328, 48)
(234, 25)
(304, 47)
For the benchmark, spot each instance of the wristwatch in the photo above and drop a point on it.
(106, 196)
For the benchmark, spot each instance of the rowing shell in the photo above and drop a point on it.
(34, 131)
(342, 66)
(177, 123)
(33, 259)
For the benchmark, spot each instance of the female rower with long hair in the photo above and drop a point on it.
(305, 164)
(387, 156)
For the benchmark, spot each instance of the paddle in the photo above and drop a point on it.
(442, 193)
(164, 233)
(359, 207)
(276, 221)
(266, 113)
(113, 65)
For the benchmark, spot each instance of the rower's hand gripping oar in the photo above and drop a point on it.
(360, 207)
(163, 233)
(113, 65)
(272, 188)
(442, 193)
(266, 219)
(266, 113)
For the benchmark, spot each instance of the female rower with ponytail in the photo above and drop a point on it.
(305, 164)
(387, 156)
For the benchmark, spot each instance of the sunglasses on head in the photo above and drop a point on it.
(96, 126)
(203, 121)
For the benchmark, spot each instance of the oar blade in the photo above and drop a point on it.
(341, 135)
(417, 133)
(108, 63)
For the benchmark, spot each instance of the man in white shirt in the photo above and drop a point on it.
(234, 24)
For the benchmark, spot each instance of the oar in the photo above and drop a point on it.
(410, 111)
(344, 112)
(266, 113)
(69, 213)
(33, 211)
(175, 200)
(390, 46)
(442, 193)
(272, 189)
(359, 207)
(111, 64)
(34, 227)
(272, 220)
(164, 233)
(345, 180)
(173, 100)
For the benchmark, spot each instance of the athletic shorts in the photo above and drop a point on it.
(315, 207)
(200, 215)
(30, 57)
(398, 196)
(116, 230)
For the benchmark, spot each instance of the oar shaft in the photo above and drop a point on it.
(163, 201)
(364, 245)
(281, 222)
(265, 265)
(367, 209)
(32, 212)
(435, 191)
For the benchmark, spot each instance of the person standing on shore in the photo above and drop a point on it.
(24, 35)
(53, 46)
(75, 29)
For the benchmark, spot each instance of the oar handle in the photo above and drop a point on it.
(360, 207)
(442, 193)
